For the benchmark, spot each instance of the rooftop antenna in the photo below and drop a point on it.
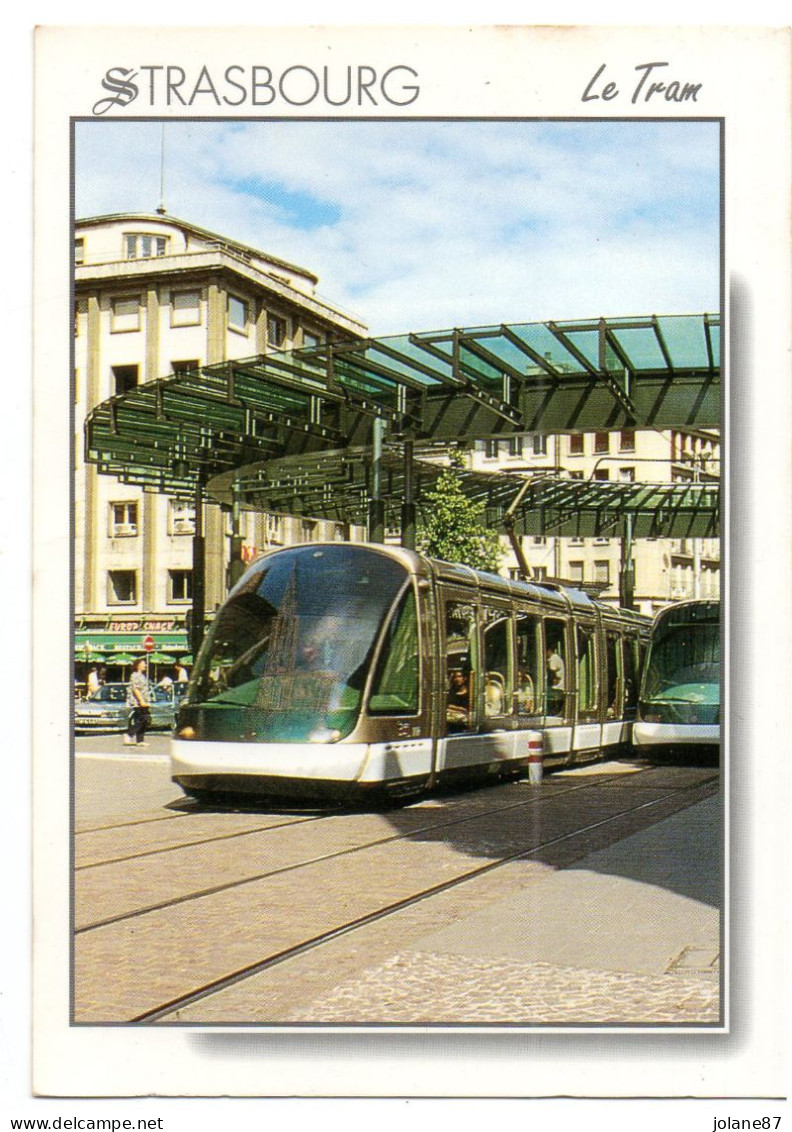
(161, 210)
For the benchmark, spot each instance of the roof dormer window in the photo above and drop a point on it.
(142, 245)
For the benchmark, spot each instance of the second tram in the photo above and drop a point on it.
(679, 706)
(336, 669)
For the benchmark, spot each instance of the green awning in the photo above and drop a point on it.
(102, 641)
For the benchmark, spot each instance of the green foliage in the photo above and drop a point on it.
(451, 528)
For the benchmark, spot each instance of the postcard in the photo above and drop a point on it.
(411, 547)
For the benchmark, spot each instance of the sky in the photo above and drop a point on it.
(422, 225)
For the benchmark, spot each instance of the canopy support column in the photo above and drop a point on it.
(408, 506)
(627, 568)
(236, 567)
(376, 504)
(198, 611)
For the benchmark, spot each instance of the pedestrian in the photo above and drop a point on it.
(93, 680)
(555, 668)
(556, 681)
(139, 703)
(181, 674)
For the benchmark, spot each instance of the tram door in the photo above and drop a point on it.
(632, 675)
(613, 728)
(558, 695)
(588, 730)
(476, 699)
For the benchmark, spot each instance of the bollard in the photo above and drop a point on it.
(535, 757)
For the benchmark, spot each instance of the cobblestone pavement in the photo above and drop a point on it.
(629, 936)
(427, 987)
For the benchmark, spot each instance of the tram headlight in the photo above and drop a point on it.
(324, 735)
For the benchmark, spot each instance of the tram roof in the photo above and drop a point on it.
(434, 387)
(551, 594)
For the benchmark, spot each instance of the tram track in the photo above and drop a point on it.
(431, 827)
(297, 819)
(163, 1010)
(247, 898)
(192, 843)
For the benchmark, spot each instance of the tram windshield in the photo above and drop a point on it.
(682, 677)
(289, 652)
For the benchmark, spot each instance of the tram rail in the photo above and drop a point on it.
(568, 839)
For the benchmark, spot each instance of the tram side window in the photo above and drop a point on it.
(587, 674)
(497, 685)
(556, 668)
(461, 666)
(395, 687)
(528, 680)
(613, 656)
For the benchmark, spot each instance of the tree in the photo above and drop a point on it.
(451, 528)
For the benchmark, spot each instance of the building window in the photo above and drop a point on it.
(124, 378)
(627, 440)
(141, 245)
(577, 444)
(627, 475)
(540, 444)
(576, 475)
(539, 573)
(273, 528)
(179, 585)
(309, 529)
(602, 473)
(125, 315)
(186, 308)
(515, 446)
(123, 520)
(601, 541)
(576, 540)
(276, 331)
(491, 449)
(121, 587)
(79, 251)
(601, 442)
(185, 365)
(602, 571)
(576, 572)
(540, 540)
(310, 339)
(237, 313)
(182, 517)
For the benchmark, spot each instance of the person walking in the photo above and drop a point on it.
(139, 703)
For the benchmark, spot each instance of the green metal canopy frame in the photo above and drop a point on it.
(190, 430)
(338, 485)
(313, 431)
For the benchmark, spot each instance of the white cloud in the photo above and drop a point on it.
(418, 225)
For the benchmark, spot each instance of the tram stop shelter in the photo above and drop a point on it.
(354, 430)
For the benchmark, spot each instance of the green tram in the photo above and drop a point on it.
(679, 706)
(340, 669)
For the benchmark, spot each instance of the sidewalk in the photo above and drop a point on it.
(628, 935)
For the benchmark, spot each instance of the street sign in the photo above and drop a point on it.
(148, 644)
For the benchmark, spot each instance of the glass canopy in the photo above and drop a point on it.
(432, 388)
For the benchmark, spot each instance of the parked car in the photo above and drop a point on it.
(107, 710)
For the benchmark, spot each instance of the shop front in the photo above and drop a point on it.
(113, 644)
